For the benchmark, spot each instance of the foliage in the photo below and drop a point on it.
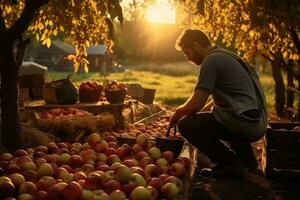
(87, 22)
(251, 26)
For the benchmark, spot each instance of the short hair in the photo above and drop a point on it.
(188, 36)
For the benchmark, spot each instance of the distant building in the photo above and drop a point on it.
(54, 57)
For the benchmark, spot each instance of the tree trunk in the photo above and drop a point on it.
(11, 130)
(290, 83)
(279, 88)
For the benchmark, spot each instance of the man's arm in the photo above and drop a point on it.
(194, 104)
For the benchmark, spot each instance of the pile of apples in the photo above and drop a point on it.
(91, 86)
(157, 128)
(115, 86)
(99, 169)
(60, 113)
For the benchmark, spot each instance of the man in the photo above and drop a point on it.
(236, 114)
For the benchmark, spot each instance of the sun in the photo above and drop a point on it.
(161, 12)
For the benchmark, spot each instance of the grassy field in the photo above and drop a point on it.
(171, 87)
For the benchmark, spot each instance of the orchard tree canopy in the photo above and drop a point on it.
(87, 22)
(251, 26)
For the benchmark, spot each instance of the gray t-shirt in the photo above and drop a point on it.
(233, 92)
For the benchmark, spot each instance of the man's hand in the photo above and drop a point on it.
(194, 104)
(177, 115)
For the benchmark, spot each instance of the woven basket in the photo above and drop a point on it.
(115, 97)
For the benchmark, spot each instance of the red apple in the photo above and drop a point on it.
(131, 162)
(155, 182)
(110, 151)
(39, 161)
(93, 181)
(141, 155)
(20, 152)
(87, 168)
(45, 169)
(128, 187)
(110, 138)
(186, 161)
(103, 167)
(113, 145)
(140, 193)
(45, 182)
(101, 157)
(113, 159)
(177, 169)
(60, 172)
(154, 192)
(142, 139)
(17, 179)
(152, 170)
(170, 190)
(123, 174)
(62, 151)
(80, 175)
(112, 185)
(73, 151)
(72, 191)
(7, 188)
(164, 169)
(55, 191)
(75, 161)
(43, 149)
(101, 146)
(93, 139)
(88, 154)
(28, 188)
(136, 148)
(117, 195)
(138, 170)
(30, 175)
(163, 177)
(108, 175)
(38, 154)
(28, 166)
(145, 161)
(52, 148)
(6, 157)
(12, 168)
(175, 180)
(40, 195)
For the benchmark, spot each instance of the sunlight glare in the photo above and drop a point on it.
(161, 12)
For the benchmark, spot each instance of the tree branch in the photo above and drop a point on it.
(2, 25)
(29, 11)
(21, 46)
(295, 39)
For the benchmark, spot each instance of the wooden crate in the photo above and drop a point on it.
(148, 96)
(282, 151)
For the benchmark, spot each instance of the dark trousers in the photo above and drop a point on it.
(205, 133)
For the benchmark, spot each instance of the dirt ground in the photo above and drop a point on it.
(253, 186)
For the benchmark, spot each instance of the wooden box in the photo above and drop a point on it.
(282, 151)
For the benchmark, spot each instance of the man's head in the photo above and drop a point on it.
(194, 44)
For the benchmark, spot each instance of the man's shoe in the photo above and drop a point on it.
(224, 172)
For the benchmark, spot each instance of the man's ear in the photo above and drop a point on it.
(196, 46)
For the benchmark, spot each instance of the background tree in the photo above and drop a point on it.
(86, 21)
(269, 28)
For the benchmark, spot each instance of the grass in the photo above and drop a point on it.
(171, 88)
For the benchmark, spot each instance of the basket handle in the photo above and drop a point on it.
(169, 130)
